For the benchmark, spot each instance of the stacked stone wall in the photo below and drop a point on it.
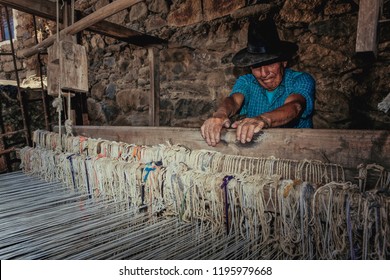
(195, 66)
(196, 69)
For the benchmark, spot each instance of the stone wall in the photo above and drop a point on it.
(25, 37)
(196, 69)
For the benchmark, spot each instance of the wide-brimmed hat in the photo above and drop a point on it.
(264, 46)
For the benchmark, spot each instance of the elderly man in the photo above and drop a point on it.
(271, 96)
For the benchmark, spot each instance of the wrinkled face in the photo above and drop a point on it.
(270, 76)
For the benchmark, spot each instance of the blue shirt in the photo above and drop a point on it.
(257, 101)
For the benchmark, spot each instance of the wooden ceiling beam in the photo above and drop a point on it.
(47, 9)
(125, 34)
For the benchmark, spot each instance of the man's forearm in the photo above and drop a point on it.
(228, 108)
(283, 115)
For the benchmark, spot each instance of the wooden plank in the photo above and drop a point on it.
(125, 34)
(8, 83)
(80, 25)
(11, 133)
(53, 74)
(154, 97)
(349, 148)
(366, 37)
(83, 109)
(7, 151)
(73, 67)
(36, 7)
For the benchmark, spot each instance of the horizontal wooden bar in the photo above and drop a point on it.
(124, 34)
(348, 148)
(7, 151)
(12, 133)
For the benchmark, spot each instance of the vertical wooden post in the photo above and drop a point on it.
(43, 93)
(366, 36)
(4, 157)
(154, 98)
(26, 126)
(84, 109)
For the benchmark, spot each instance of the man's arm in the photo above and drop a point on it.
(211, 128)
(293, 106)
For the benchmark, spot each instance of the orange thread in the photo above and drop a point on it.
(82, 140)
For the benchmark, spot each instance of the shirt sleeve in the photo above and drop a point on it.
(242, 86)
(305, 85)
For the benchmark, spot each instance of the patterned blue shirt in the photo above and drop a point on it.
(256, 101)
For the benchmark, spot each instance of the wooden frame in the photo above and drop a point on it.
(366, 36)
(154, 97)
(348, 148)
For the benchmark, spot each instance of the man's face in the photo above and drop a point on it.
(270, 76)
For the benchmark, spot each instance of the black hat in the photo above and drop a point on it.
(264, 46)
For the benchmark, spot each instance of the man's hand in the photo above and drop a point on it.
(247, 127)
(211, 129)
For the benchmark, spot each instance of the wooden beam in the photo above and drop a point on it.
(348, 148)
(7, 151)
(366, 37)
(154, 97)
(36, 7)
(124, 34)
(11, 133)
(80, 25)
(8, 83)
(103, 27)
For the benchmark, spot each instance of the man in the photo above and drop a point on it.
(271, 96)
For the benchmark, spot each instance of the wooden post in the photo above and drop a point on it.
(26, 125)
(43, 93)
(154, 98)
(366, 37)
(80, 25)
(84, 109)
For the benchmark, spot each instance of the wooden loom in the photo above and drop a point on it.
(251, 209)
(251, 216)
(348, 148)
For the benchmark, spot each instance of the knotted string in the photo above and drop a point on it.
(147, 169)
